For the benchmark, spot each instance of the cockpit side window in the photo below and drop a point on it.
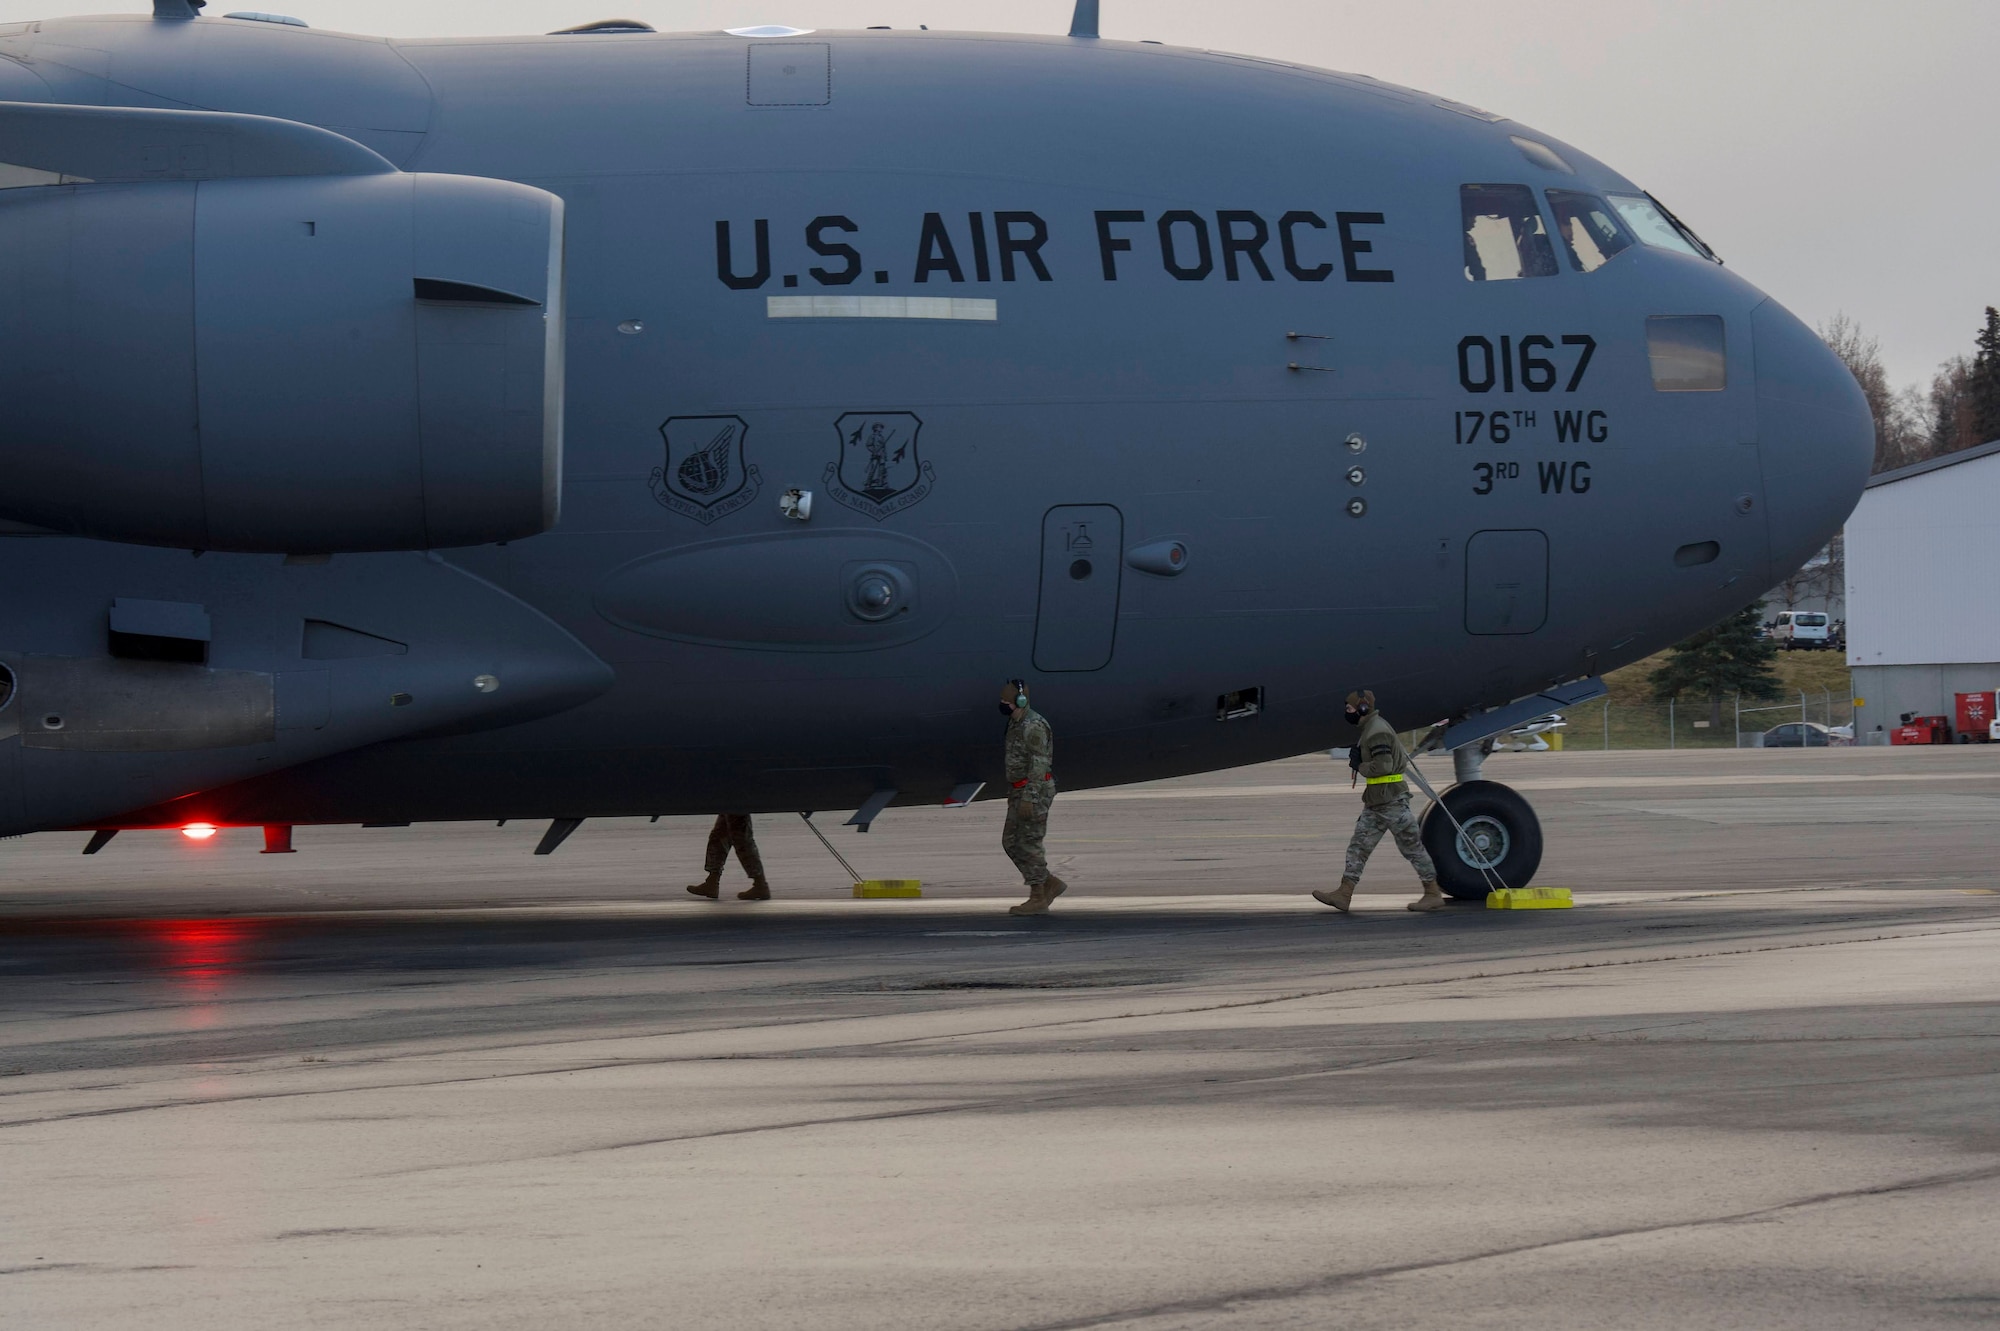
(1504, 235)
(1653, 224)
(1589, 228)
(1688, 353)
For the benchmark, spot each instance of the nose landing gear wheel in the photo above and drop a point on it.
(1501, 835)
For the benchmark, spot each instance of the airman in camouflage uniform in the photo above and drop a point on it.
(1378, 758)
(732, 832)
(1031, 782)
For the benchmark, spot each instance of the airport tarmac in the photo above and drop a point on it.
(419, 1077)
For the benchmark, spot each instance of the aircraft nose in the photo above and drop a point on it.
(1815, 436)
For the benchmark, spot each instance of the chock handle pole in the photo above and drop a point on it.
(853, 874)
(1486, 871)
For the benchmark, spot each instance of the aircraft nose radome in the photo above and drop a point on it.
(1814, 433)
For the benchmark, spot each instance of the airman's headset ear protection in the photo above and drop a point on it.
(1020, 692)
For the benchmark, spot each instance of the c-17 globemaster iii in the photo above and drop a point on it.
(615, 422)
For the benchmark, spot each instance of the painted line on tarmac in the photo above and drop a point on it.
(1540, 783)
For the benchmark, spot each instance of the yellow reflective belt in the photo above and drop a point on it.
(1384, 780)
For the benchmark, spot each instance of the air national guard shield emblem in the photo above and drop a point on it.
(705, 476)
(877, 471)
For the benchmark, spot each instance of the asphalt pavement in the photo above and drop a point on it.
(420, 1077)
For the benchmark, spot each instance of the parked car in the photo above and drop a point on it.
(1807, 735)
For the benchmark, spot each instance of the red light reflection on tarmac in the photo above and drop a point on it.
(200, 957)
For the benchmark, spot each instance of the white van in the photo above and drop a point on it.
(1801, 628)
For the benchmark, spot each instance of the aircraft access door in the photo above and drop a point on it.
(1506, 582)
(1077, 619)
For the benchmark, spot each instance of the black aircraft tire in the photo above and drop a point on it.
(1490, 811)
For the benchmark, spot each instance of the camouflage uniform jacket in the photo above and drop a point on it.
(1031, 749)
(1381, 755)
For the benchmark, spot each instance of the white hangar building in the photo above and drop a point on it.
(1923, 562)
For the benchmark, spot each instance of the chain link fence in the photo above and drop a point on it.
(1738, 723)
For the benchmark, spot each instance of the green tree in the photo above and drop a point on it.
(1985, 380)
(1730, 657)
(1948, 412)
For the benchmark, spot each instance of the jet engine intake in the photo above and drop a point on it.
(297, 364)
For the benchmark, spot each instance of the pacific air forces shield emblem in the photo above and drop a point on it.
(705, 476)
(877, 471)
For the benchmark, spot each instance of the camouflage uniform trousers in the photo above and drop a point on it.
(732, 832)
(1027, 824)
(1397, 820)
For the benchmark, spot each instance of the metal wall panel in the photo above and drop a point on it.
(1887, 692)
(1923, 558)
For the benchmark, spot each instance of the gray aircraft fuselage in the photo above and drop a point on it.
(1150, 375)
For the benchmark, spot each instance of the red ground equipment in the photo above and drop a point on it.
(1975, 717)
(1922, 730)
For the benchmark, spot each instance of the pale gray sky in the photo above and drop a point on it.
(1842, 154)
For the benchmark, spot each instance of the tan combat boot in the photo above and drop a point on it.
(1341, 898)
(1052, 888)
(1432, 899)
(1036, 904)
(757, 891)
(710, 888)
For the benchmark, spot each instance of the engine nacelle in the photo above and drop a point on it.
(301, 363)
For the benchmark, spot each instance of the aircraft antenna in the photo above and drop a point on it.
(1082, 24)
(178, 8)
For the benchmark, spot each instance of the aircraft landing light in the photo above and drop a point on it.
(198, 831)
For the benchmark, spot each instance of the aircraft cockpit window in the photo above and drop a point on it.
(1654, 225)
(1589, 228)
(1504, 234)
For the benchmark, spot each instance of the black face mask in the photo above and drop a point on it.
(1007, 710)
(1354, 717)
